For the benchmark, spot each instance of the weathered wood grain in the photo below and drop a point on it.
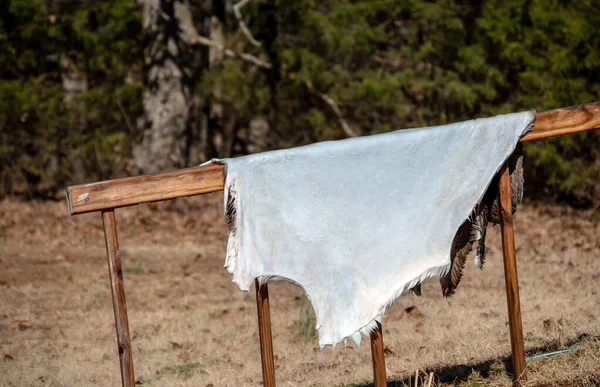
(264, 333)
(510, 276)
(118, 297)
(567, 120)
(143, 189)
(378, 357)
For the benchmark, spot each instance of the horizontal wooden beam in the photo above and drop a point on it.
(129, 191)
(579, 118)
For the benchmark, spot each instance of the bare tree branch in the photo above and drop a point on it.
(124, 114)
(230, 53)
(243, 26)
(335, 108)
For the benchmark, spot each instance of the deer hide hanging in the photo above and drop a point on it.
(355, 222)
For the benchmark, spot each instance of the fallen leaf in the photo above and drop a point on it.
(175, 345)
(413, 311)
(278, 361)
(70, 258)
(25, 324)
(190, 223)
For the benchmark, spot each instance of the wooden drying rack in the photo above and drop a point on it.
(107, 195)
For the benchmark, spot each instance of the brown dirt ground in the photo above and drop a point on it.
(191, 326)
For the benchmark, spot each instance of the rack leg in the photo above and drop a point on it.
(510, 275)
(378, 357)
(264, 330)
(118, 297)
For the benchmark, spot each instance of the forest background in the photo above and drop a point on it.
(93, 90)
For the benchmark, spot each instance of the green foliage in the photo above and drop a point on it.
(306, 319)
(228, 85)
(397, 64)
(552, 55)
(184, 370)
(49, 138)
(386, 64)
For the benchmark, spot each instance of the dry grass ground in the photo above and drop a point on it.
(192, 327)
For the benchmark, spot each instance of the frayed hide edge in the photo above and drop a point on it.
(232, 215)
(372, 325)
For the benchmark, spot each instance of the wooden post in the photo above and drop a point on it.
(510, 275)
(118, 297)
(264, 331)
(378, 357)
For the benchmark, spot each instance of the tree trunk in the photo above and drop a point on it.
(173, 64)
(74, 84)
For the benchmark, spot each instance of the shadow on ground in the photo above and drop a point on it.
(456, 374)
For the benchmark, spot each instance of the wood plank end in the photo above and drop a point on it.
(69, 203)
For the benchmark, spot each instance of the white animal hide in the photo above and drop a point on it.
(355, 222)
